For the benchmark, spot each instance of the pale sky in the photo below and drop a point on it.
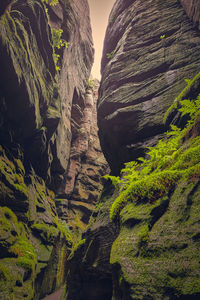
(99, 13)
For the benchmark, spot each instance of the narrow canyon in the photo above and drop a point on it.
(99, 181)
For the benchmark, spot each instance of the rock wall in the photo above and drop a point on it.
(192, 8)
(150, 47)
(34, 243)
(75, 64)
(83, 185)
(143, 240)
(89, 271)
(46, 54)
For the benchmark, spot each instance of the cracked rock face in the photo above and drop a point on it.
(76, 63)
(82, 185)
(192, 8)
(149, 49)
(35, 138)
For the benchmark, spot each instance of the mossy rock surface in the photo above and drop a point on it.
(33, 241)
(161, 260)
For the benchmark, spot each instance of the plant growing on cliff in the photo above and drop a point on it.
(162, 36)
(182, 95)
(52, 2)
(91, 83)
(109, 55)
(166, 163)
(191, 108)
(58, 43)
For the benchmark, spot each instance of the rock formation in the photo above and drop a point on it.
(73, 81)
(192, 8)
(82, 185)
(143, 240)
(90, 273)
(46, 54)
(149, 49)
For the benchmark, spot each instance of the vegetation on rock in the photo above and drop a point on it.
(29, 228)
(166, 163)
(156, 206)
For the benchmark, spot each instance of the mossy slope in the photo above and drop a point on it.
(34, 243)
(156, 254)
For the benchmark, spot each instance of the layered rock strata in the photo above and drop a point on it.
(35, 100)
(149, 49)
(90, 273)
(143, 238)
(192, 8)
(34, 243)
(75, 62)
(143, 241)
(82, 185)
(40, 81)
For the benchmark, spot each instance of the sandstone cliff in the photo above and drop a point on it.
(82, 185)
(143, 238)
(46, 54)
(150, 47)
(192, 8)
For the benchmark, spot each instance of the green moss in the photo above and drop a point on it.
(184, 93)
(79, 244)
(150, 187)
(51, 2)
(188, 158)
(21, 42)
(19, 166)
(169, 161)
(9, 228)
(5, 274)
(139, 212)
(23, 248)
(18, 257)
(12, 178)
(47, 232)
(166, 256)
(157, 204)
(64, 230)
(26, 263)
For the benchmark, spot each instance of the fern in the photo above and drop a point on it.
(115, 180)
(167, 162)
(192, 108)
(52, 2)
(188, 81)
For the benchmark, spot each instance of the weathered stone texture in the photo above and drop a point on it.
(83, 184)
(35, 134)
(151, 249)
(34, 113)
(90, 274)
(192, 8)
(30, 103)
(34, 243)
(151, 47)
(75, 65)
